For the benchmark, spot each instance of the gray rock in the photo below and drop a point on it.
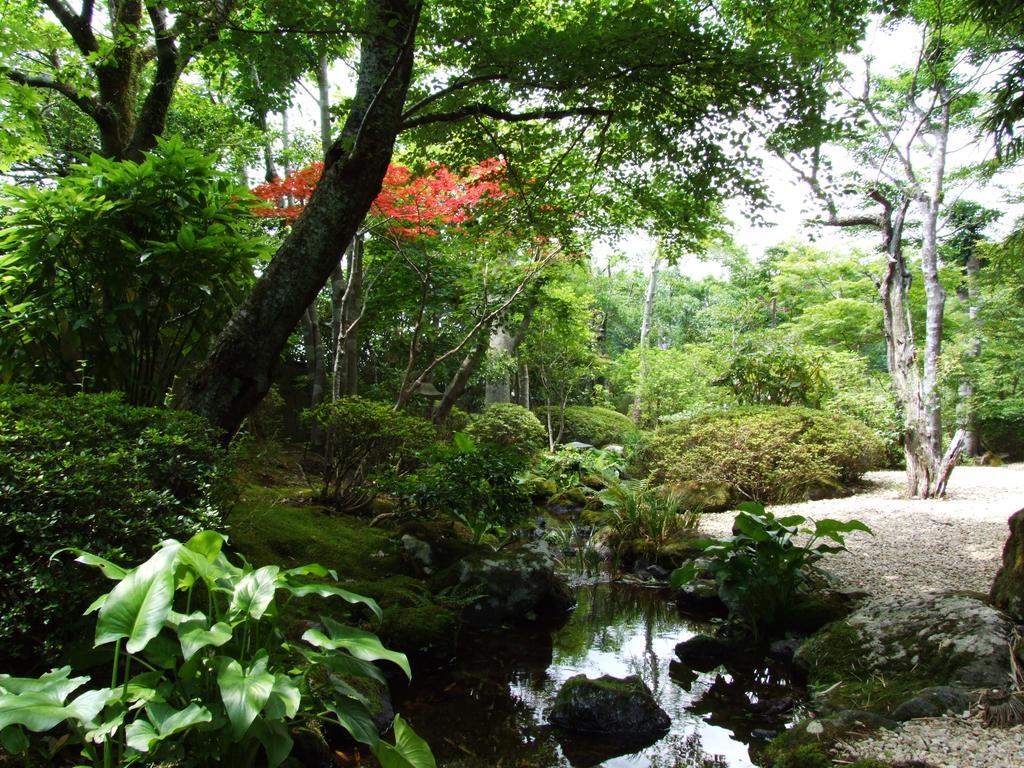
(700, 597)
(933, 702)
(949, 638)
(418, 550)
(577, 445)
(518, 583)
(608, 705)
(1008, 589)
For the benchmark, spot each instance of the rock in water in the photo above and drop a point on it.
(609, 705)
(512, 585)
(1008, 589)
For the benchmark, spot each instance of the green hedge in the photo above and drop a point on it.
(91, 472)
(591, 424)
(509, 426)
(771, 454)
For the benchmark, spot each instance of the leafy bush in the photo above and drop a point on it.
(590, 424)
(772, 371)
(508, 426)
(91, 471)
(641, 514)
(216, 686)
(761, 568)
(476, 484)
(770, 454)
(366, 439)
(118, 276)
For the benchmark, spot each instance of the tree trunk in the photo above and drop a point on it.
(239, 369)
(645, 331)
(351, 318)
(457, 386)
(501, 347)
(965, 393)
(315, 369)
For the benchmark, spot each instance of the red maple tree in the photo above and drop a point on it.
(412, 204)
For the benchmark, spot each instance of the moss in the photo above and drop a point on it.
(274, 526)
(423, 631)
(836, 661)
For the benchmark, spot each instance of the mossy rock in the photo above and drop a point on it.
(890, 649)
(808, 744)
(1008, 589)
(569, 497)
(540, 489)
(446, 543)
(425, 633)
(810, 612)
(608, 705)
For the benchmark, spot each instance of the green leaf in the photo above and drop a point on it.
(109, 569)
(828, 527)
(752, 507)
(255, 591)
(57, 684)
(164, 721)
(139, 604)
(363, 645)
(331, 590)
(13, 739)
(276, 740)
(684, 574)
(207, 543)
(791, 521)
(285, 698)
(409, 750)
(355, 718)
(41, 711)
(194, 636)
(312, 569)
(464, 443)
(107, 728)
(751, 527)
(244, 692)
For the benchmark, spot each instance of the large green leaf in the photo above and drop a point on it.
(330, 590)
(57, 683)
(164, 721)
(276, 740)
(194, 636)
(13, 739)
(244, 691)
(355, 718)
(409, 750)
(284, 700)
(139, 604)
(361, 644)
(109, 569)
(42, 711)
(255, 591)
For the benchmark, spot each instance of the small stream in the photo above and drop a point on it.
(490, 709)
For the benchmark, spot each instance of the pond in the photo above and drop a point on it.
(491, 708)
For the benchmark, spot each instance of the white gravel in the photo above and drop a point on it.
(920, 546)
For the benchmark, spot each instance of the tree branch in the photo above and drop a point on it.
(455, 86)
(86, 103)
(485, 110)
(77, 26)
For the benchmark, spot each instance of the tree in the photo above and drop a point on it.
(703, 75)
(906, 124)
(101, 62)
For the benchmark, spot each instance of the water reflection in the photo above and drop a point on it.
(491, 710)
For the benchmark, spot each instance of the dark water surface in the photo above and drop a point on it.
(491, 708)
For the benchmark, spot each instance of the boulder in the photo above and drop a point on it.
(704, 652)
(933, 702)
(939, 638)
(1008, 589)
(515, 584)
(609, 705)
(700, 598)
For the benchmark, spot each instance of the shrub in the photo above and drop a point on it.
(91, 471)
(590, 424)
(476, 484)
(645, 517)
(771, 454)
(508, 426)
(117, 276)
(365, 440)
(760, 569)
(218, 685)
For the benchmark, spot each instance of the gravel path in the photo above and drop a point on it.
(920, 546)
